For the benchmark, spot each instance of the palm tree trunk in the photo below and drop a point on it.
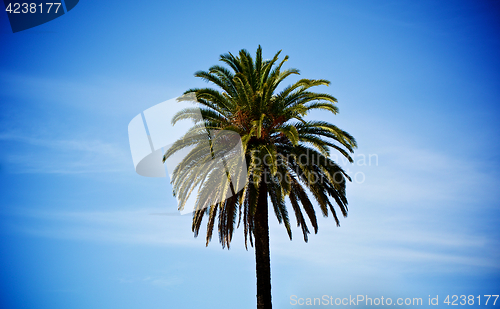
(262, 254)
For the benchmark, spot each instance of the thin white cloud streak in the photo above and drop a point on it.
(63, 156)
(98, 94)
(164, 282)
(135, 227)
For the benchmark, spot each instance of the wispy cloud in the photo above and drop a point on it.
(135, 227)
(408, 214)
(99, 94)
(362, 243)
(384, 228)
(29, 154)
(379, 246)
(408, 174)
(158, 281)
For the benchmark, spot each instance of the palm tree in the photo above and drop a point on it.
(285, 155)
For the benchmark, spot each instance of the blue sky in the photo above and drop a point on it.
(417, 84)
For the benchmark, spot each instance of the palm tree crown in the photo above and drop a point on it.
(282, 148)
